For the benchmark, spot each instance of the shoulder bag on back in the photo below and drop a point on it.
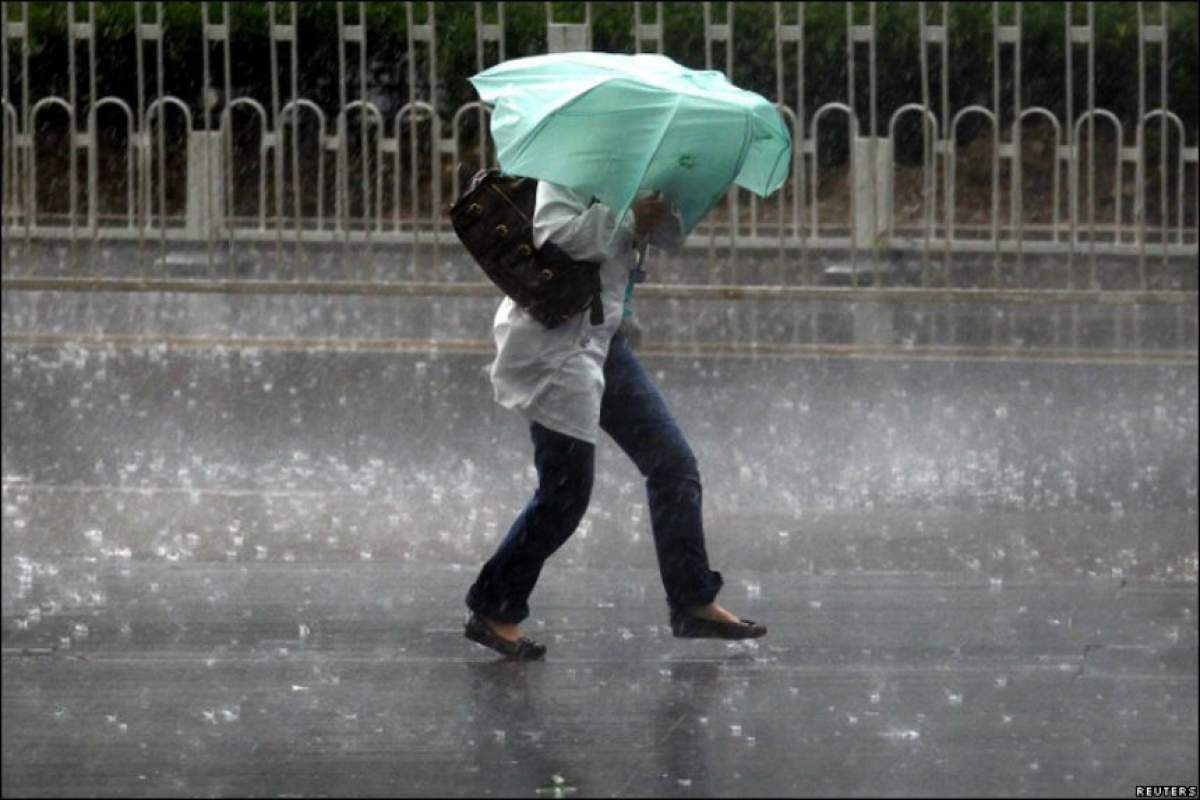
(494, 220)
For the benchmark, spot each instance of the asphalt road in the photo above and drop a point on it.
(236, 568)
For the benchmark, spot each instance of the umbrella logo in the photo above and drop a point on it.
(686, 160)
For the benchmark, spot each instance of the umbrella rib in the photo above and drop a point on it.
(528, 139)
(747, 139)
(784, 151)
(779, 159)
(662, 135)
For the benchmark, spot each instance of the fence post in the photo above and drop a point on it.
(868, 225)
(651, 32)
(722, 32)
(18, 138)
(565, 37)
(204, 180)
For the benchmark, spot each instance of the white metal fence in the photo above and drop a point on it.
(347, 175)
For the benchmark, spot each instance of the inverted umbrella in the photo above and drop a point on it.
(617, 125)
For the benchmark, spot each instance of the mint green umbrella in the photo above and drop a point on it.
(617, 125)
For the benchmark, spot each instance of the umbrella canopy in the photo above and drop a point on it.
(617, 125)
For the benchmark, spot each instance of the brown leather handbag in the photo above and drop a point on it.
(494, 220)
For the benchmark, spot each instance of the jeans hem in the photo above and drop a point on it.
(510, 616)
(699, 597)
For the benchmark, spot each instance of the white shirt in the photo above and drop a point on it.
(555, 377)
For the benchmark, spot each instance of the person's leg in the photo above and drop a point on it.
(635, 415)
(565, 467)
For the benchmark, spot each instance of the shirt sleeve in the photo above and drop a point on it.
(569, 219)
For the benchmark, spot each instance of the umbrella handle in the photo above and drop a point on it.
(636, 275)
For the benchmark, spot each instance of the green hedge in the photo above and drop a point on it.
(898, 70)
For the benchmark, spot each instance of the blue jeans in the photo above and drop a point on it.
(634, 414)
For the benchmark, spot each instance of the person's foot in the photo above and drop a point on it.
(711, 621)
(504, 638)
(504, 630)
(714, 612)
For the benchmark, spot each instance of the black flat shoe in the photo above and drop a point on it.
(523, 649)
(685, 626)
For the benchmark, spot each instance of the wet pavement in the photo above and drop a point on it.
(241, 452)
(354, 679)
(236, 568)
